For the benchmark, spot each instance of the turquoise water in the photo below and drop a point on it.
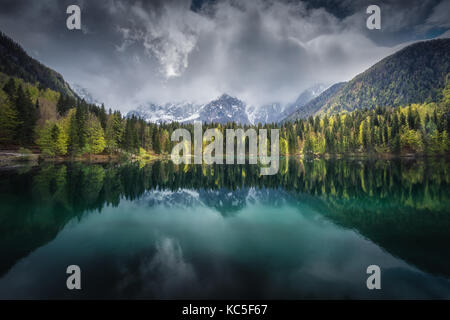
(162, 231)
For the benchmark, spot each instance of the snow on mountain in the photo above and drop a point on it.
(225, 201)
(304, 98)
(276, 112)
(264, 114)
(170, 112)
(84, 93)
(223, 109)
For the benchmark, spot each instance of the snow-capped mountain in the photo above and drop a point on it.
(170, 112)
(223, 109)
(304, 98)
(264, 114)
(275, 112)
(84, 93)
(310, 94)
(225, 201)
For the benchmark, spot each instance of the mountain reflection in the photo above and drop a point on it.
(401, 205)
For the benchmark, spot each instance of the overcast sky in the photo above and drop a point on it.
(132, 52)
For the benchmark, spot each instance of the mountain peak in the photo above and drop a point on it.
(415, 74)
(225, 96)
(223, 109)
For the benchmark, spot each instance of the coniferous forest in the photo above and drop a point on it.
(61, 125)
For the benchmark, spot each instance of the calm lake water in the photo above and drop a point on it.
(162, 231)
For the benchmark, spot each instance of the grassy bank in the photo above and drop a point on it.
(33, 156)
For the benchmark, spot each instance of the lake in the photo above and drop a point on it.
(161, 231)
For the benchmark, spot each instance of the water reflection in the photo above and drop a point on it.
(167, 231)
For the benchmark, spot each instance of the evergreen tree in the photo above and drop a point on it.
(102, 116)
(60, 105)
(10, 88)
(95, 140)
(114, 132)
(308, 148)
(8, 120)
(27, 116)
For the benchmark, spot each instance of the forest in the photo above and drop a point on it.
(61, 125)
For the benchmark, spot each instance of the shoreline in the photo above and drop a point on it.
(13, 158)
(371, 156)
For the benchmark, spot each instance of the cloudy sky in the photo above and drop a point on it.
(261, 51)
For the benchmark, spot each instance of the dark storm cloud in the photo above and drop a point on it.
(262, 51)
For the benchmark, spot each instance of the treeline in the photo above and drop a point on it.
(66, 126)
(18, 114)
(62, 125)
(413, 129)
(417, 128)
(87, 128)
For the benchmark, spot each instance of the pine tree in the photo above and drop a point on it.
(292, 140)
(8, 120)
(60, 105)
(77, 130)
(114, 132)
(81, 117)
(27, 116)
(385, 135)
(130, 135)
(10, 88)
(395, 126)
(156, 141)
(329, 141)
(102, 116)
(396, 145)
(308, 148)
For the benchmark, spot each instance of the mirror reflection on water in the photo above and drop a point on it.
(162, 231)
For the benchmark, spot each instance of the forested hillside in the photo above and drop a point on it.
(415, 74)
(14, 61)
(416, 128)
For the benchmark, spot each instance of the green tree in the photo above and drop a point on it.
(78, 128)
(53, 139)
(114, 132)
(10, 88)
(102, 117)
(95, 140)
(308, 148)
(27, 116)
(365, 135)
(8, 120)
